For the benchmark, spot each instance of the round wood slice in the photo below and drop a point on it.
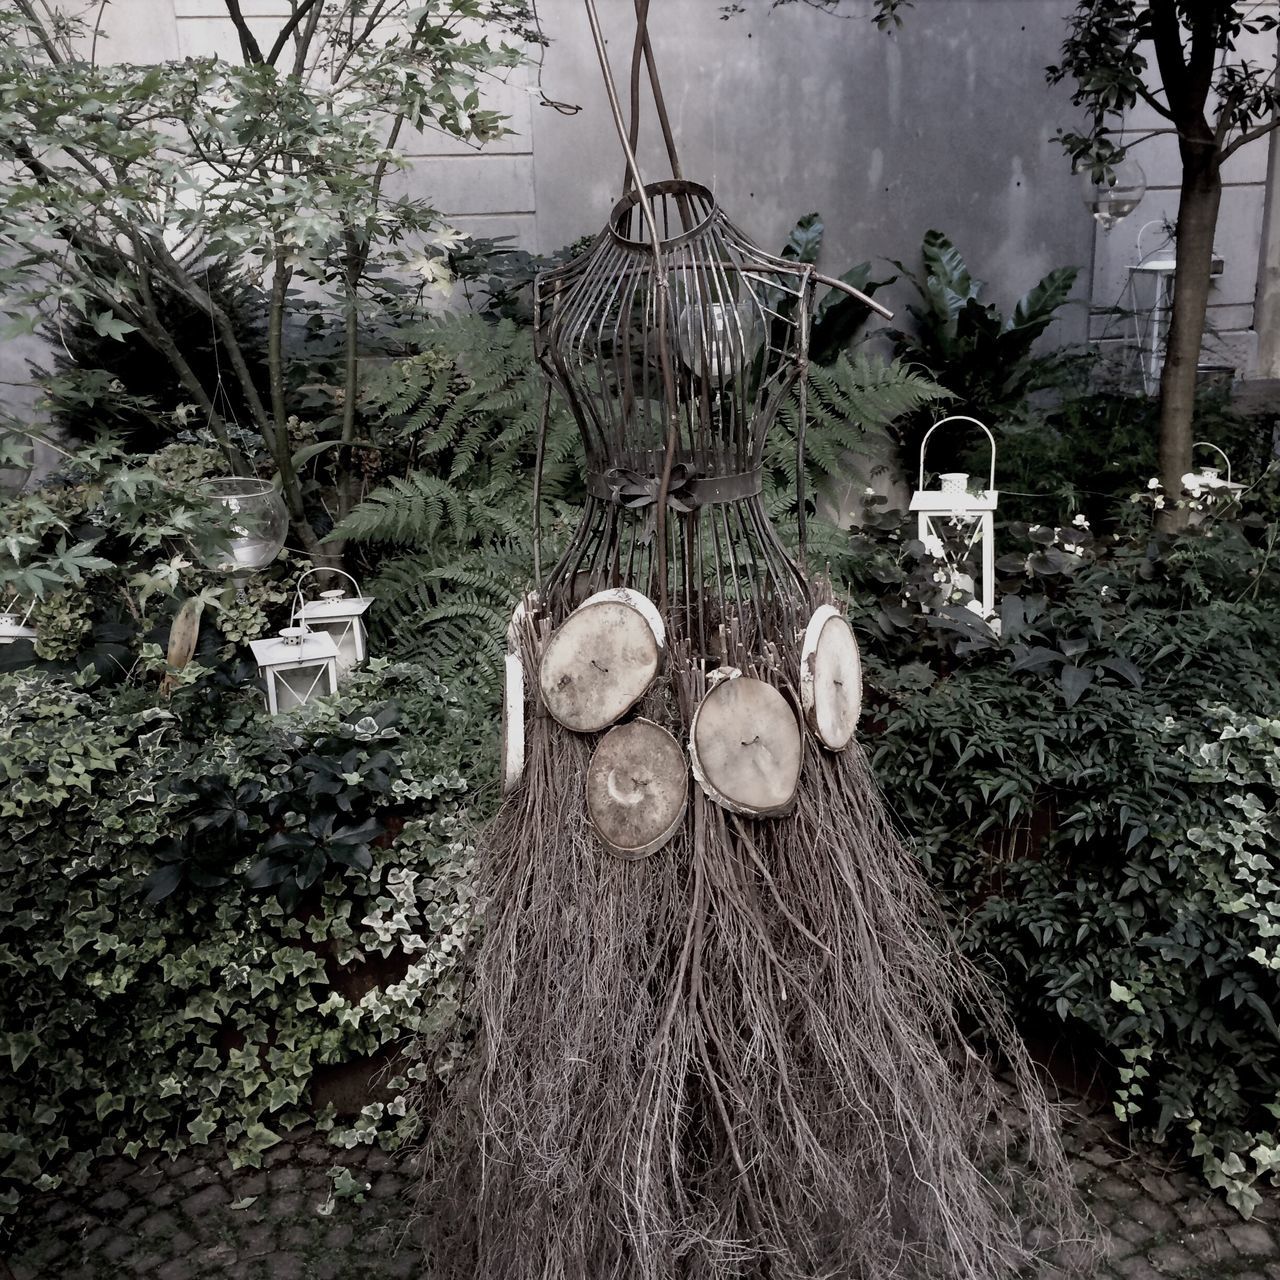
(830, 678)
(598, 665)
(637, 788)
(512, 724)
(746, 747)
(638, 601)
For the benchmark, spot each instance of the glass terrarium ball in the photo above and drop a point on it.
(1114, 194)
(718, 337)
(259, 524)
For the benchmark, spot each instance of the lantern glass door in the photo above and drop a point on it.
(348, 636)
(961, 544)
(294, 686)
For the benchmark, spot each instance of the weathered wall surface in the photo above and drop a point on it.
(947, 124)
(782, 111)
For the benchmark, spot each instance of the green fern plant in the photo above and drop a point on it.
(847, 400)
(449, 541)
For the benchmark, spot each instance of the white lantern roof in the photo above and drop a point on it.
(333, 606)
(941, 502)
(952, 497)
(293, 646)
(1211, 477)
(13, 628)
(13, 622)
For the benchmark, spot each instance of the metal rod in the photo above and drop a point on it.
(832, 283)
(539, 461)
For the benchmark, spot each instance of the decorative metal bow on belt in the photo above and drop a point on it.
(634, 490)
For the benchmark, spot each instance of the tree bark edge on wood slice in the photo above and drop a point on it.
(830, 678)
(747, 748)
(512, 723)
(637, 789)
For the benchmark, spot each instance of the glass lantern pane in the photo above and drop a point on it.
(348, 635)
(293, 688)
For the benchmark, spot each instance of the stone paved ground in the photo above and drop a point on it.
(197, 1218)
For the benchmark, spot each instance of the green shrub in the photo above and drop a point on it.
(129, 1025)
(1095, 792)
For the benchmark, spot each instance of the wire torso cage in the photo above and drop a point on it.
(674, 356)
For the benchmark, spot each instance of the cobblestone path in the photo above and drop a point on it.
(196, 1219)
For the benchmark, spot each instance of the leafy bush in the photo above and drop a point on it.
(1094, 790)
(128, 1025)
(986, 360)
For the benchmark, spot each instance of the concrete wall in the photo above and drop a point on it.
(948, 124)
(782, 111)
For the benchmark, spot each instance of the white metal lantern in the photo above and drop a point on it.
(1210, 482)
(338, 615)
(298, 666)
(958, 526)
(15, 621)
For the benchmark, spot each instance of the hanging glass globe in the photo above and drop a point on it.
(1113, 194)
(718, 338)
(260, 522)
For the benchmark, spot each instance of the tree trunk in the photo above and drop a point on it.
(1197, 220)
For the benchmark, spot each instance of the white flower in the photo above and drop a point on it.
(870, 491)
(1104, 593)
(1035, 528)
(1159, 501)
(939, 576)
(448, 237)
(1153, 483)
(1080, 521)
(1071, 548)
(434, 271)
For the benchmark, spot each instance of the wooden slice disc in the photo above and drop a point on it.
(637, 788)
(830, 678)
(638, 601)
(746, 747)
(512, 724)
(598, 665)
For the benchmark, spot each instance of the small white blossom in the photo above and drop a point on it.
(1159, 501)
(1080, 521)
(939, 576)
(448, 237)
(434, 271)
(1153, 483)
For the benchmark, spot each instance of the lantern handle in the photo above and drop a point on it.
(12, 608)
(297, 595)
(1208, 444)
(960, 417)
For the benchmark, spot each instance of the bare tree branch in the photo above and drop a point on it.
(1250, 135)
(289, 27)
(249, 46)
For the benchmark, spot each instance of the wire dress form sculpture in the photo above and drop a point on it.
(722, 1030)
